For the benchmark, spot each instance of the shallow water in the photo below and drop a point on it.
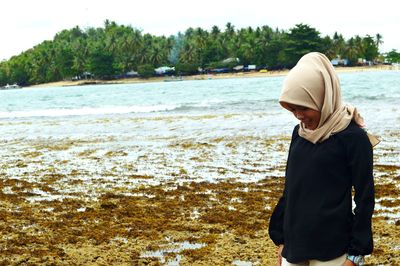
(209, 130)
(376, 94)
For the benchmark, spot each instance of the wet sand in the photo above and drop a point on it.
(89, 202)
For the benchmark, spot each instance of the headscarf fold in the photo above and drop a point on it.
(313, 83)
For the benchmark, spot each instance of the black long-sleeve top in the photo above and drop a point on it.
(314, 217)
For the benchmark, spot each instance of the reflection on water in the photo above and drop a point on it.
(171, 248)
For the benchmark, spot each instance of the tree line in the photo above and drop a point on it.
(115, 49)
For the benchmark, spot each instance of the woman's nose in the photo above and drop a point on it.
(298, 115)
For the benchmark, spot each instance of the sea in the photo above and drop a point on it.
(252, 101)
(200, 130)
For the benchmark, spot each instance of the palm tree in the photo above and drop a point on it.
(130, 45)
(338, 44)
(80, 51)
(142, 55)
(188, 54)
(359, 44)
(351, 51)
(156, 56)
(215, 31)
(378, 40)
(230, 29)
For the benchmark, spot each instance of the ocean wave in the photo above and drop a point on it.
(88, 111)
(205, 105)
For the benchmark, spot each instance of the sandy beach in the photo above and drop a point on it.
(204, 77)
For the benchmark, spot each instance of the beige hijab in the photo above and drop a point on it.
(313, 83)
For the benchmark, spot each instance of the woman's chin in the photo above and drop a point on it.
(310, 127)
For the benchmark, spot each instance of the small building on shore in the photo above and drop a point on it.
(339, 62)
(11, 87)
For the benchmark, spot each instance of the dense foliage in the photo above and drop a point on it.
(393, 56)
(117, 49)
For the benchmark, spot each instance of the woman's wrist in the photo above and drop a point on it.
(348, 263)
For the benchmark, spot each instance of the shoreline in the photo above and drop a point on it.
(274, 73)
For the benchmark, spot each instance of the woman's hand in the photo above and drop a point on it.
(348, 263)
(280, 248)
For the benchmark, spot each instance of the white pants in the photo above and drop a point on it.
(335, 262)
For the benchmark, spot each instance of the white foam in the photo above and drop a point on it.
(88, 111)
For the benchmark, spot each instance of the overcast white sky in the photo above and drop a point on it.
(25, 23)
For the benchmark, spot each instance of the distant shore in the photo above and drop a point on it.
(66, 83)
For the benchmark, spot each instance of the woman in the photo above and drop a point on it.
(313, 222)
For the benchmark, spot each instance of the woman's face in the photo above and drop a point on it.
(309, 117)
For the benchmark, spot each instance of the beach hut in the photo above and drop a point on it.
(251, 67)
(238, 68)
(164, 70)
(10, 87)
(339, 62)
(230, 60)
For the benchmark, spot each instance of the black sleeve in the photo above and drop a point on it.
(276, 222)
(360, 159)
(275, 229)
